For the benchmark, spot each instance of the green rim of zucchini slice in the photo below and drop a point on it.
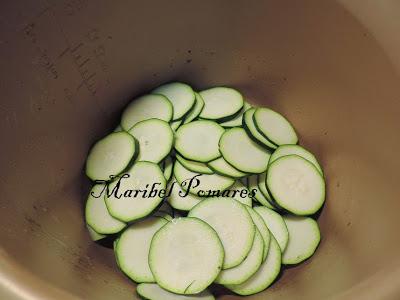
(186, 256)
(155, 138)
(179, 199)
(220, 103)
(196, 109)
(144, 108)
(110, 156)
(194, 166)
(259, 196)
(221, 166)
(262, 228)
(238, 119)
(236, 233)
(198, 140)
(152, 291)
(252, 131)
(242, 152)
(181, 96)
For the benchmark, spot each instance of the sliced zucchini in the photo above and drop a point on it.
(198, 140)
(259, 196)
(233, 225)
(242, 152)
(274, 127)
(132, 249)
(265, 276)
(240, 193)
(252, 131)
(176, 124)
(181, 96)
(188, 179)
(248, 267)
(262, 228)
(97, 215)
(262, 186)
(95, 236)
(152, 291)
(238, 119)
(144, 108)
(285, 150)
(296, 185)
(129, 199)
(194, 166)
(304, 238)
(221, 166)
(220, 103)
(196, 110)
(155, 139)
(110, 156)
(178, 198)
(275, 224)
(186, 256)
(168, 165)
(118, 128)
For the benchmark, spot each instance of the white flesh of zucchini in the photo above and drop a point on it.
(221, 166)
(152, 291)
(194, 166)
(196, 110)
(262, 228)
(252, 131)
(178, 200)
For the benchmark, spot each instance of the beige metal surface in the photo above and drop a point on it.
(69, 67)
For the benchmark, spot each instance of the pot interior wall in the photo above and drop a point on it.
(69, 67)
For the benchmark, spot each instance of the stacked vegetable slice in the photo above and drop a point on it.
(202, 187)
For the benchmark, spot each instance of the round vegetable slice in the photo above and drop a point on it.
(176, 124)
(198, 140)
(168, 165)
(152, 291)
(296, 185)
(304, 238)
(196, 110)
(194, 166)
(238, 119)
(179, 199)
(155, 139)
(110, 156)
(259, 196)
(95, 236)
(221, 166)
(128, 200)
(186, 256)
(132, 249)
(275, 224)
(200, 183)
(262, 186)
(240, 193)
(181, 96)
(97, 215)
(144, 108)
(252, 131)
(233, 225)
(262, 228)
(220, 102)
(242, 152)
(248, 267)
(265, 276)
(285, 150)
(274, 126)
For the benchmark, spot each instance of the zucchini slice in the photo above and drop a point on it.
(176, 124)
(233, 225)
(304, 238)
(238, 119)
(110, 156)
(213, 182)
(259, 196)
(275, 224)
(262, 228)
(240, 193)
(178, 198)
(248, 267)
(274, 127)
(186, 256)
(194, 166)
(129, 202)
(152, 291)
(155, 139)
(196, 110)
(221, 166)
(285, 150)
(242, 152)
(95, 236)
(252, 131)
(296, 185)
(198, 140)
(220, 103)
(181, 96)
(132, 249)
(168, 165)
(144, 108)
(265, 276)
(97, 216)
